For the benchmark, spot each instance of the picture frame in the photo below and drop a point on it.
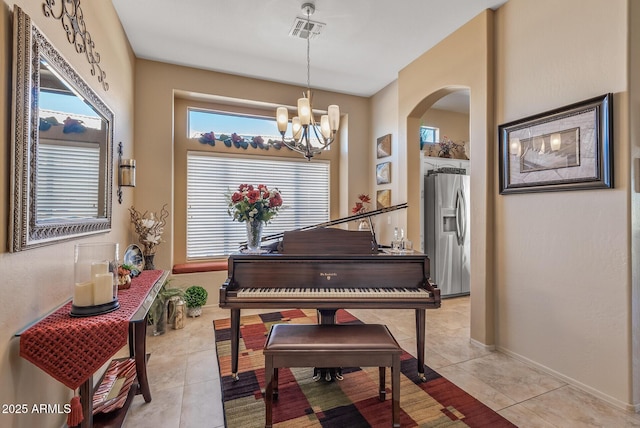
(569, 148)
(383, 198)
(383, 173)
(383, 145)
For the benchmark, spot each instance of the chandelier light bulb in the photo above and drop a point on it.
(304, 111)
(296, 128)
(325, 129)
(334, 117)
(282, 117)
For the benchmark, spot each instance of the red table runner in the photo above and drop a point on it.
(72, 349)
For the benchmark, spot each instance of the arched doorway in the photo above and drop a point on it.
(446, 192)
(480, 152)
(464, 60)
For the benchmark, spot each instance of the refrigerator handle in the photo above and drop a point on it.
(461, 214)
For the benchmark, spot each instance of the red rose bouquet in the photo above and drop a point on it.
(250, 203)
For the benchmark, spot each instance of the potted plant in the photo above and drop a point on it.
(194, 298)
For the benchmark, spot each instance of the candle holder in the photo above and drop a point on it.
(96, 279)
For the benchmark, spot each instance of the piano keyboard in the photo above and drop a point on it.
(319, 293)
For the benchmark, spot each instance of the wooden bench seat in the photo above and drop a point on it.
(338, 345)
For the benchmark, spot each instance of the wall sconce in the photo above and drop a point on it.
(126, 172)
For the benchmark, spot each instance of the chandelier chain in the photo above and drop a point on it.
(308, 51)
(304, 128)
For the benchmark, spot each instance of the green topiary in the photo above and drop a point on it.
(195, 296)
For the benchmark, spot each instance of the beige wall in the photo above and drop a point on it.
(38, 280)
(557, 294)
(161, 146)
(465, 61)
(560, 293)
(562, 260)
(384, 120)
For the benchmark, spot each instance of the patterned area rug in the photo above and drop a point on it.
(352, 402)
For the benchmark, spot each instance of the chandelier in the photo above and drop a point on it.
(303, 126)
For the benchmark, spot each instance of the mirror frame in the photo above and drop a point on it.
(25, 232)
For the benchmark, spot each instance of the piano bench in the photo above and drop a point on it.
(336, 345)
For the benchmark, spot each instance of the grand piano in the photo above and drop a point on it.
(327, 269)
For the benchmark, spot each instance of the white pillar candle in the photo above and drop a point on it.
(83, 294)
(98, 268)
(103, 288)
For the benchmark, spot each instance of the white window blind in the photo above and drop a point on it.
(211, 232)
(68, 180)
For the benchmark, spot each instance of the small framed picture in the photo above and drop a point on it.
(384, 146)
(383, 173)
(383, 198)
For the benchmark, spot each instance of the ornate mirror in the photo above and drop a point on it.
(62, 151)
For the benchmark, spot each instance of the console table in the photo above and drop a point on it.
(72, 349)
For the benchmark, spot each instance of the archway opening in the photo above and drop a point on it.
(447, 113)
(445, 192)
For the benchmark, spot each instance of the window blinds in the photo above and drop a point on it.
(68, 180)
(211, 232)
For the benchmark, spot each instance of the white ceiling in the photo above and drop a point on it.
(363, 46)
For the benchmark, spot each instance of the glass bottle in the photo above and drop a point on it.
(395, 244)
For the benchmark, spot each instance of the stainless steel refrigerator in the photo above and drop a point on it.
(446, 228)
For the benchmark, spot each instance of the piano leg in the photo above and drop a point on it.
(235, 343)
(327, 316)
(420, 338)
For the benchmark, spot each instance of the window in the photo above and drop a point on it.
(428, 135)
(68, 180)
(211, 232)
(224, 124)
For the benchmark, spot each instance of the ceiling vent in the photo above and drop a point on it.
(302, 30)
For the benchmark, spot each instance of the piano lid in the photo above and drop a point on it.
(328, 241)
(355, 217)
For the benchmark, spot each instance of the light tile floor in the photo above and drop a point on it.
(185, 385)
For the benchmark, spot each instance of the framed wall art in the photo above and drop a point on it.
(383, 173)
(569, 148)
(384, 146)
(383, 198)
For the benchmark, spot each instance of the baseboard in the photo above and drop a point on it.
(482, 345)
(581, 386)
(211, 281)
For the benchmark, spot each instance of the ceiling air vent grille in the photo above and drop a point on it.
(301, 30)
